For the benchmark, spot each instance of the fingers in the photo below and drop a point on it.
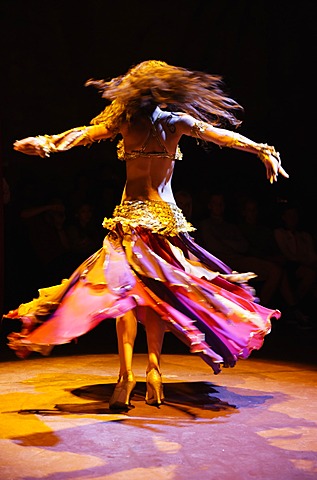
(273, 168)
(17, 145)
(270, 175)
(273, 176)
(283, 172)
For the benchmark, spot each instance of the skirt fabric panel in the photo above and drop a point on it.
(208, 307)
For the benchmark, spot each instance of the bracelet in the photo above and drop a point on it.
(264, 150)
(44, 141)
(87, 140)
(198, 128)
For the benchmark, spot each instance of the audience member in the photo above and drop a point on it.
(108, 186)
(260, 235)
(84, 235)
(184, 201)
(45, 226)
(80, 192)
(226, 240)
(298, 254)
(5, 191)
(262, 244)
(20, 266)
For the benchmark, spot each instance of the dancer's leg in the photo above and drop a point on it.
(155, 329)
(126, 327)
(126, 332)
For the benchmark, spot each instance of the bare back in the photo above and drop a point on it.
(149, 177)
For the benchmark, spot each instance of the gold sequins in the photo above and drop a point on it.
(157, 216)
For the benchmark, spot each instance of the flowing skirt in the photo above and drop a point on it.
(148, 259)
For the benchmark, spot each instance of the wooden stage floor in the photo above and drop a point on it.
(255, 421)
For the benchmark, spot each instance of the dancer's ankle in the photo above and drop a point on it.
(152, 366)
(127, 375)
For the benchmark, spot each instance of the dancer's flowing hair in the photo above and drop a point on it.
(153, 83)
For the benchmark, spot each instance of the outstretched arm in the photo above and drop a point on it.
(43, 145)
(226, 138)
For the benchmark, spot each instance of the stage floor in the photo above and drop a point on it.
(255, 421)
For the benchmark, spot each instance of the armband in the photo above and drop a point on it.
(87, 140)
(198, 128)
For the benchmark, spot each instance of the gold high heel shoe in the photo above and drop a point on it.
(120, 398)
(154, 388)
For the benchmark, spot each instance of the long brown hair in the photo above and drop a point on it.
(154, 82)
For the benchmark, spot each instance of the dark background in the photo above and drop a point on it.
(265, 51)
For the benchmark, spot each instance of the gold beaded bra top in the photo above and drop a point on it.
(142, 152)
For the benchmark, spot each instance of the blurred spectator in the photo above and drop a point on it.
(262, 244)
(299, 255)
(225, 240)
(108, 185)
(184, 201)
(84, 235)
(6, 192)
(45, 226)
(81, 192)
(19, 264)
(260, 236)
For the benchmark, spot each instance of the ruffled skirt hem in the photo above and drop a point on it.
(207, 306)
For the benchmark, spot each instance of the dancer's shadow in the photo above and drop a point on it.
(194, 399)
(181, 396)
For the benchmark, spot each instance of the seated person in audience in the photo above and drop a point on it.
(262, 244)
(82, 233)
(298, 254)
(226, 240)
(184, 201)
(45, 226)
